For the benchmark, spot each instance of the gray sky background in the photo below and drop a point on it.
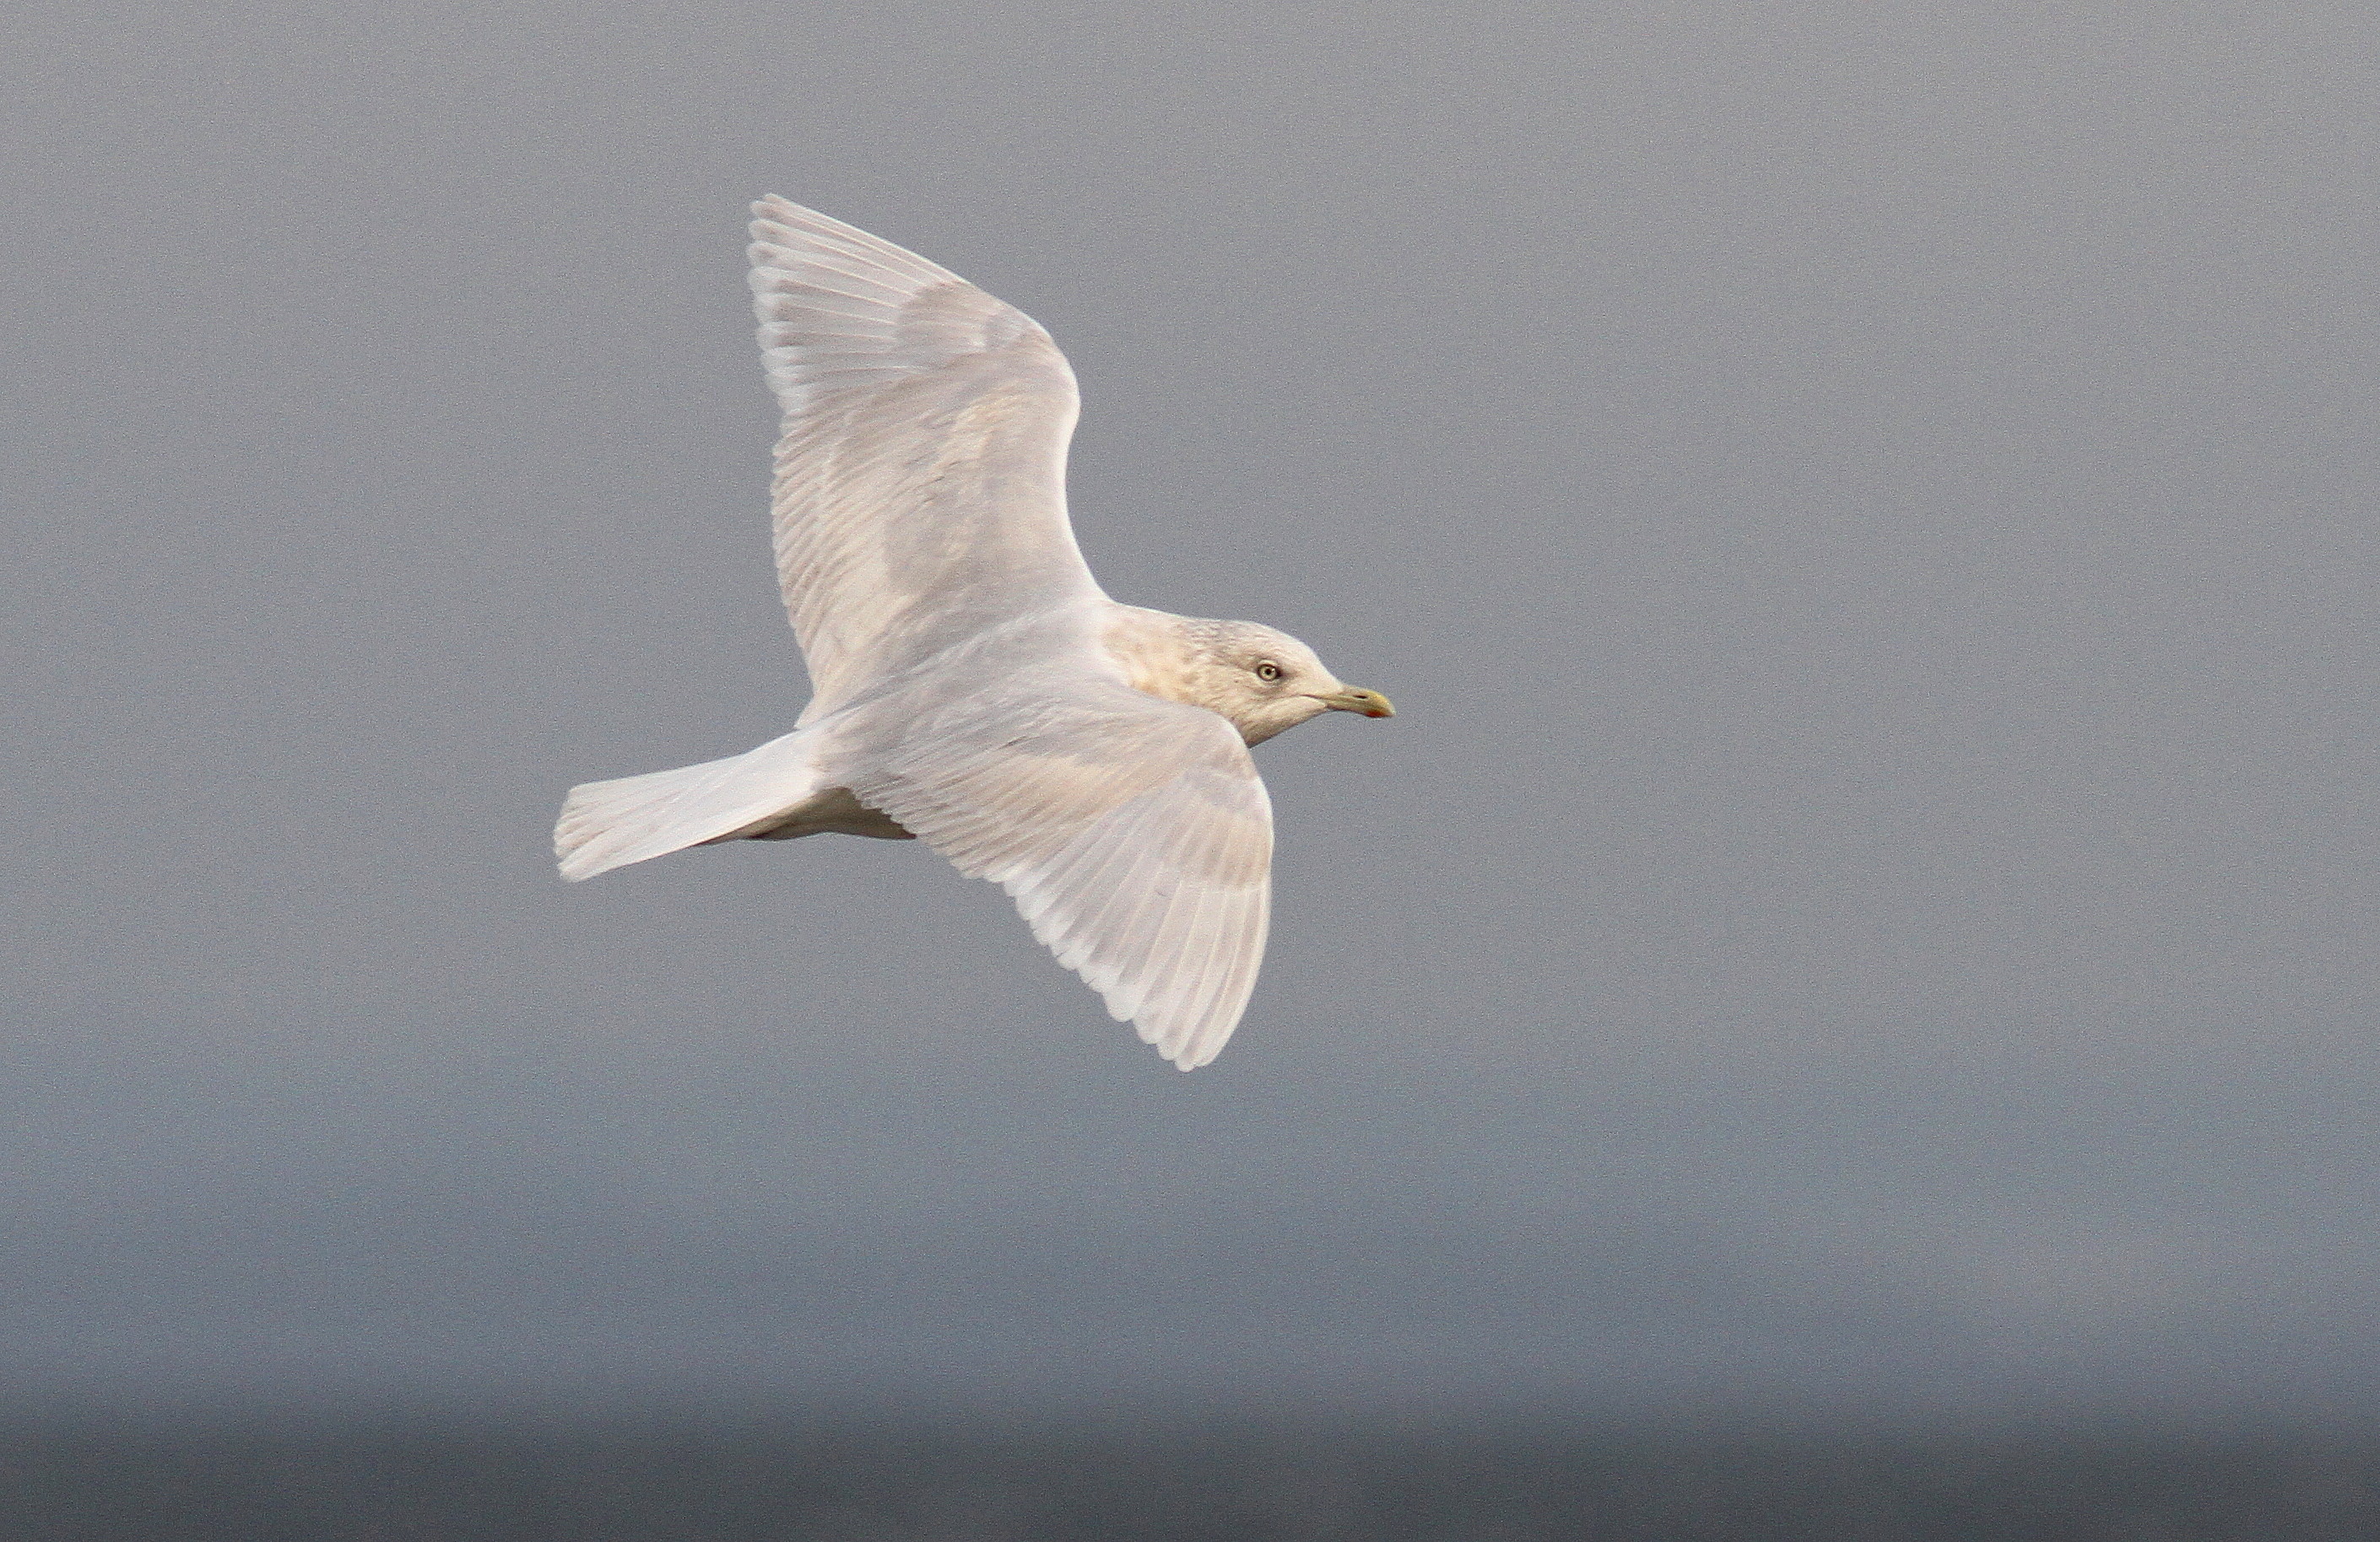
(1865, 510)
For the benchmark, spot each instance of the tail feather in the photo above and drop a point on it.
(610, 824)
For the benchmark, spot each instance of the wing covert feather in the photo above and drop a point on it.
(919, 493)
(1132, 833)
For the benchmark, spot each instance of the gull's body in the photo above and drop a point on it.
(973, 686)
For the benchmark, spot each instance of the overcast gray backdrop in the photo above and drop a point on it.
(1866, 511)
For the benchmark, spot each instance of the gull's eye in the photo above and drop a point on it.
(1268, 670)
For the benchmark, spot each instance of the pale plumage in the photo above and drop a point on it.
(973, 686)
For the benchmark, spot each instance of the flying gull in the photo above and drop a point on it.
(972, 685)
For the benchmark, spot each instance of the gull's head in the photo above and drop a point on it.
(1263, 680)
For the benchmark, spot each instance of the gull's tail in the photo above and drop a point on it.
(610, 824)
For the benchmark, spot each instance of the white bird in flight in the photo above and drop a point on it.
(972, 685)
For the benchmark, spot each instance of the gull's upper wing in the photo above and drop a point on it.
(921, 483)
(1132, 831)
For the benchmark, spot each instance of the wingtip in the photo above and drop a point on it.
(1194, 1057)
(1188, 1051)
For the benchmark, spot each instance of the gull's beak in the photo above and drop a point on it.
(1372, 704)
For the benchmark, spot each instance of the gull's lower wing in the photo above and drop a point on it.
(920, 482)
(1132, 833)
